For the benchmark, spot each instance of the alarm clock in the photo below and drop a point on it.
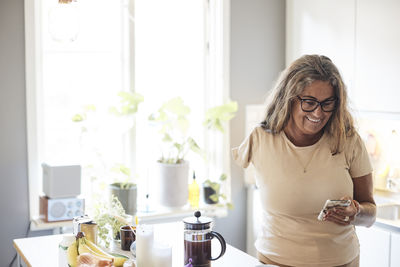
(61, 209)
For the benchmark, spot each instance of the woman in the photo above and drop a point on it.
(305, 152)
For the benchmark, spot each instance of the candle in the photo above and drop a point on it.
(162, 255)
(144, 245)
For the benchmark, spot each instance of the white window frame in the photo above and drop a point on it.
(217, 89)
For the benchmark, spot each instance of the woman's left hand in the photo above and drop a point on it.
(342, 215)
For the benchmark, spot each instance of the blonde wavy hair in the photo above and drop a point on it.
(291, 83)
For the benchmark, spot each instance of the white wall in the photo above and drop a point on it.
(257, 57)
(14, 206)
(13, 164)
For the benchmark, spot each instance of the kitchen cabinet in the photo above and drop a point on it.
(313, 27)
(363, 44)
(374, 246)
(377, 55)
(378, 247)
(395, 250)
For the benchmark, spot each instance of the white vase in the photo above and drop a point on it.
(172, 184)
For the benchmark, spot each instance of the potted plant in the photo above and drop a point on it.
(212, 191)
(172, 168)
(124, 189)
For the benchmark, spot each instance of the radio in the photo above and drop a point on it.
(61, 209)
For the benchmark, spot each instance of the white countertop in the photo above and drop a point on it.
(43, 251)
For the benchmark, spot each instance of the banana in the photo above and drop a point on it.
(87, 246)
(96, 248)
(118, 261)
(84, 248)
(72, 254)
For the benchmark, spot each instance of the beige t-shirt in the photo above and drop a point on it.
(294, 183)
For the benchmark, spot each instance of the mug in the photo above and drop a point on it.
(128, 236)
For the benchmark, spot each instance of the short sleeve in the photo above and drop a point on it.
(242, 154)
(359, 161)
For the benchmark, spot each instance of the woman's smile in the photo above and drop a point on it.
(313, 120)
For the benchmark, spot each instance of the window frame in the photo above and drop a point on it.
(216, 90)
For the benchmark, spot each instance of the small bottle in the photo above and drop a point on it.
(194, 193)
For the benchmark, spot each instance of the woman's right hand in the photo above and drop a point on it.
(343, 215)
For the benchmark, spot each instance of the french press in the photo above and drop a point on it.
(197, 240)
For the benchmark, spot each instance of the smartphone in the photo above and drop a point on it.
(331, 204)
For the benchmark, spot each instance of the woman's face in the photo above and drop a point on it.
(311, 123)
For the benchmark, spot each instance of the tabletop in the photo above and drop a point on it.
(43, 251)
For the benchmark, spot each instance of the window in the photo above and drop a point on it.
(80, 55)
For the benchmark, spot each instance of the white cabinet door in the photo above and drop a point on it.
(395, 250)
(322, 27)
(374, 247)
(377, 63)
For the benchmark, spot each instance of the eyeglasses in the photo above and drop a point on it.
(309, 105)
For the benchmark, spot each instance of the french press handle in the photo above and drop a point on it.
(221, 241)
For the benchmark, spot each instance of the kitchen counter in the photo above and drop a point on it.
(43, 251)
(382, 198)
(389, 225)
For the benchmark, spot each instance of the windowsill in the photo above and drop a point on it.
(39, 224)
(170, 215)
(160, 216)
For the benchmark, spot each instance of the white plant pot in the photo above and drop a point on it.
(172, 184)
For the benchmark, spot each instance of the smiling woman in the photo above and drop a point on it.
(304, 152)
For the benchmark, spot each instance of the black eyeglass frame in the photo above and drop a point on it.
(321, 104)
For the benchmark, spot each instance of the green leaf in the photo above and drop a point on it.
(229, 205)
(215, 187)
(195, 147)
(223, 177)
(90, 107)
(207, 183)
(121, 168)
(78, 118)
(179, 147)
(83, 116)
(214, 197)
(216, 116)
(167, 138)
(182, 124)
(176, 106)
(129, 103)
